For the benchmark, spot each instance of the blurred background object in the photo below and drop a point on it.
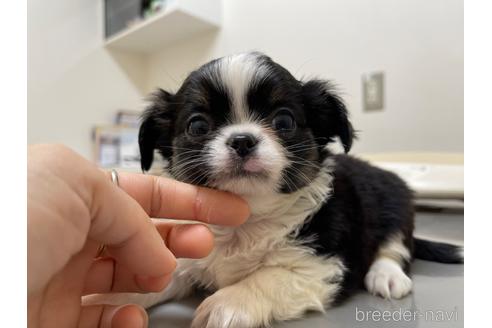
(436, 178)
(121, 14)
(116, 146)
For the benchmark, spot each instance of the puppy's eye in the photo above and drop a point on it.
(198, 126)
(284, 122)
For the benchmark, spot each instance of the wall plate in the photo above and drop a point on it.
(373, 91)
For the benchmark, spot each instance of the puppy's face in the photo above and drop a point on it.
(244, 124)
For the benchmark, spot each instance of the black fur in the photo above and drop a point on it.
(437, 252)
(326, 113)
(368, 205)
(156, 129)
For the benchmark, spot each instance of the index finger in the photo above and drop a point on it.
(167, 198)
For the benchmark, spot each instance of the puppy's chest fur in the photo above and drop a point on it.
(266, 239)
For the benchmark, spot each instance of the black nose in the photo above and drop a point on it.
(243, 143)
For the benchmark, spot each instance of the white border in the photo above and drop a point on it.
(478, 91)
(13, 86)
(478, 162)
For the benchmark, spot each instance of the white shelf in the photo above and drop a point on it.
(179, 20)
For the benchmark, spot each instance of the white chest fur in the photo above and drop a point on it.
(264, 239)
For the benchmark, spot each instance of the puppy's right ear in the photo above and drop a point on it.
(156, 130)
(327, 114)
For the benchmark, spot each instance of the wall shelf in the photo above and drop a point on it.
(180, 19)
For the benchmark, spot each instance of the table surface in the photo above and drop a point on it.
(436, 300)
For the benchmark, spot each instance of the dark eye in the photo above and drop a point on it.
(284, 122)
(198, 126)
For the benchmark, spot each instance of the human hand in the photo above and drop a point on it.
(73, 208)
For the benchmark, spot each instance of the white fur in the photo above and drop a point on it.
(241, 250)
(386, 276)
(387, 279)
(237, 74)
(273, 292)
(395, 249)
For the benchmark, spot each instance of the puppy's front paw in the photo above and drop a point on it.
(229, 307)
(387, 279)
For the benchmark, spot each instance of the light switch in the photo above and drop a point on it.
(373, 91)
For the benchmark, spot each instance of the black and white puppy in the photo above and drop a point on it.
(321, 225)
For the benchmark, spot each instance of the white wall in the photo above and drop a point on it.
(74, 83)
(418, 43)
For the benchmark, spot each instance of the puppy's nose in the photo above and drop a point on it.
(243, 143)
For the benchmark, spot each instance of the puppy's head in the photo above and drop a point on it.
(244, 124)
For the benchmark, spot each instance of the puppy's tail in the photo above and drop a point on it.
(437, 251)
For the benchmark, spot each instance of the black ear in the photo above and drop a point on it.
(156, 130)
(326, 113)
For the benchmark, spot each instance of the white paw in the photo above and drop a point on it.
(227, 308)
(387, 279)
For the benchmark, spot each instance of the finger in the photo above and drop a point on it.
(99, 278)
(131, 238)
(107, 276)
(109, 316)
(186, 240)
(167, 198)
(190, 241)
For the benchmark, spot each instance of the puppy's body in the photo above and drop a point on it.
(321, 225)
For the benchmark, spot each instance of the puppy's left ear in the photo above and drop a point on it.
(326, 114)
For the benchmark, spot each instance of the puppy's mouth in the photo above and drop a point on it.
(249, 167)
(253, 165)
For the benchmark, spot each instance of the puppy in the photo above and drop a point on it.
(321, 225)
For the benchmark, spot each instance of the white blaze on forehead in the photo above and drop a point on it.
(238, 74)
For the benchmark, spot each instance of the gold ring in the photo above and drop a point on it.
(101, 250)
